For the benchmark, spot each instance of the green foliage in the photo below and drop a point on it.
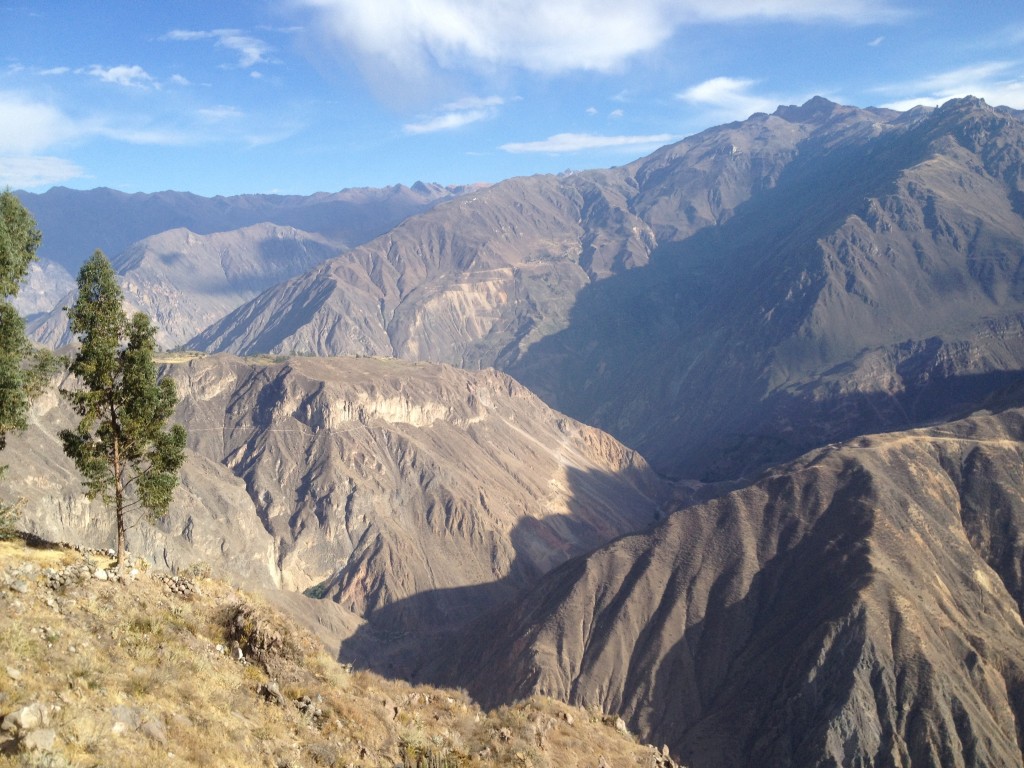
(122, 445)
(19, 240)
(14, 347)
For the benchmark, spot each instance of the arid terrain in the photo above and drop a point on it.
(726, 442)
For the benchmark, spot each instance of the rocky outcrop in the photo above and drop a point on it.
(861, 606)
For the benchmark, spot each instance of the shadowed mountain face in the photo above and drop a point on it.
(876, 285)
(365, 482)
(861, 606)
(729, 301)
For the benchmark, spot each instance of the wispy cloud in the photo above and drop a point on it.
(36, 171)
(221, 113)
(33, 133)
(998, 82)
(549, 37)
(577, 142)
(728, 98)
(457, 114)
(251, 50)
(129, 76)
(877, 41)
(55, 71)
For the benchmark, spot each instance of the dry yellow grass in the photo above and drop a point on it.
(144, 676)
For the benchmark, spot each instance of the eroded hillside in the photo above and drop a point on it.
(363, 482)
(859, 606)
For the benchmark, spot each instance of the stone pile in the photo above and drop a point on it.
(179, 585)
(59, 579)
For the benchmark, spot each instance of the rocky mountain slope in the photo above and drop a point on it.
(729, 301)
(364, 482)
(860, 606)
(876, 285)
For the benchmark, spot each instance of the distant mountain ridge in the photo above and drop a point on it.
(185, 281)
(76, 222)
(197, 247)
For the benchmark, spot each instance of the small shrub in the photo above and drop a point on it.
(198, 571)
(9, 514)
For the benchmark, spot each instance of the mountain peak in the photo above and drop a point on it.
(815, 109)
(964, 105)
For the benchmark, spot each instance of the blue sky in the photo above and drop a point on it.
(299, 96)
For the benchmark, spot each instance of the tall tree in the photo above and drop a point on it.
(122, 445)
(19, 239)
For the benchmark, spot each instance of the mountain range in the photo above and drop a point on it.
(769, 285)
(791, 533)
(176, 237)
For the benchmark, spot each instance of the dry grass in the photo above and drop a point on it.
(146, 677)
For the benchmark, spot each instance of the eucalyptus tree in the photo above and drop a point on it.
(123, 446)
(19, 239)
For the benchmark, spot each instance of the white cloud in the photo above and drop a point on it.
(877, 41)
(39, 171)
(457, 114)
(133, 76)
(616, 113)
(728, 98)
(55, 71)
(998, 82)
(220, 114)
(186, 35)
(180, 80)
(29, 126)
(845, 11)
(546, 36)
(251, 50)
(577, 142)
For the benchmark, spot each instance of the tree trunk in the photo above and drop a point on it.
(118, 495)
(121, 548)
